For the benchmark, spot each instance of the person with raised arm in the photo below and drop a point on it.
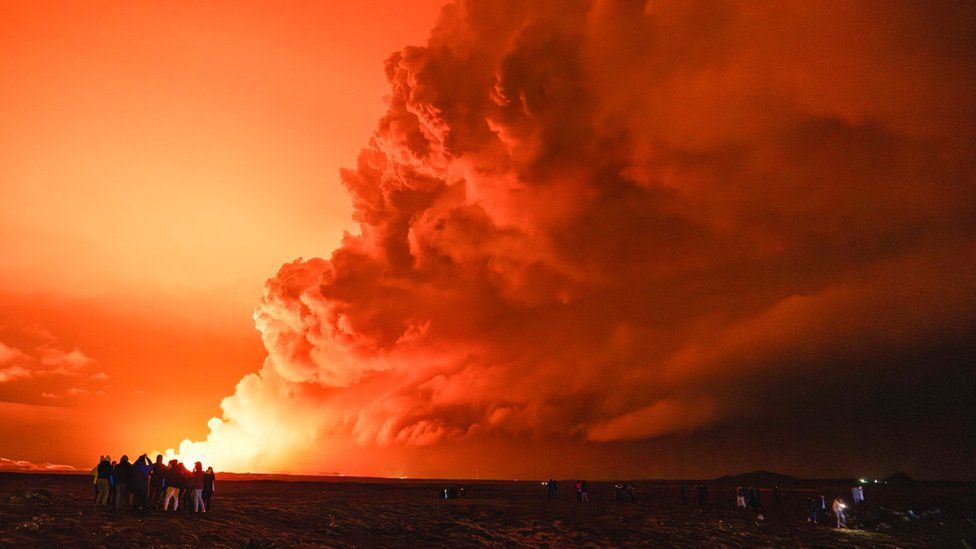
(139, 485)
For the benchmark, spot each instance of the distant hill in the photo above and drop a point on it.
(757, 478)
(899, 478)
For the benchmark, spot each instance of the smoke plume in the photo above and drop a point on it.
(596, 224)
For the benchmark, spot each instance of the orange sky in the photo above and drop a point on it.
(157, 163)
(600, 239)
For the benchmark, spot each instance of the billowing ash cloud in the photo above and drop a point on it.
(606, 222)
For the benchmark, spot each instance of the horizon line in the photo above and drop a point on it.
(337, 475)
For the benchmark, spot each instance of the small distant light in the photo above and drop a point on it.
(863, 481)
(876, 481)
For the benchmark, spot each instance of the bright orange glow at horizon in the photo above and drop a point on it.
(157, 164)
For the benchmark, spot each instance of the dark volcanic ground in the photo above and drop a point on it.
(58, 510)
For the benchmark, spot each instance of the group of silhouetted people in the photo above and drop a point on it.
(624, 492)
(582, 491)
(702, 494)
(748, 498)
(144, 485)
(818, 507)
(452, 492)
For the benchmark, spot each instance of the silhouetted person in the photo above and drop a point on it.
(186, 488)
(740, 498)
(754, 501)
(103, 481)
(818, 506)
(552, 489)
(702, 494)
(814, 510)
(196, 496)
(838, 509)
(157, 483)
(174, 481)
(123, 476)
(141, 471)
(579, 490)
(111, 485)
(584, 492)
(209, 484)
(684, 494)
(94, 474)
(625, 492)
